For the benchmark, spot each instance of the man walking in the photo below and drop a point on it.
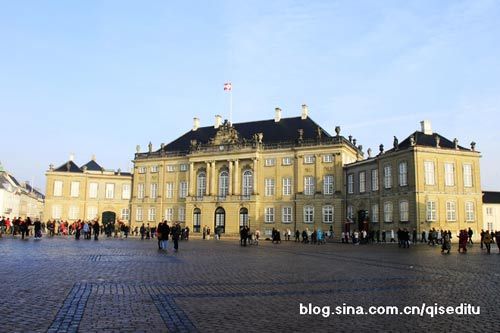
(470, 233)
(176, 232)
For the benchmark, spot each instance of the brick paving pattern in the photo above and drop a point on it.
(63, 285)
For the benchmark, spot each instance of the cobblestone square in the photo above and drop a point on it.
(113, 285)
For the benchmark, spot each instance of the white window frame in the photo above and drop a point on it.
(287, 214)
(403, 173)
(309, 186)
(468, 179)
(141, 169)
(286, 161)
(247, 183)
(93, 190)
(91, 212)
(154, 169)
(362, 181)
(75, 189)
(73, 212)
(374, 174)
(170, 168)
(269, 187)
(287, 186)
(328, 215)
(328, 158)
(388, 212)
(183, 189)
(451, 211)
(431, 210)
(182, 214)
(350, 212)
(125, 214)
(375, 213)
(140, 191)
(429, 173)
(404, 210)
(350, 183)
(224, 183)
(110, 191)
(201, 184)
(328, 184)
(269, 215)
(449, 174)
(470, 214)
(151, 214)
(309, 159)
(169, 214)
(268, 162)
(183, 167)
(387, 176)
(126, 191)
(138, 214)
(153, 191)
(309, 214)
(169, 190)
(58, 188)
(56, 211)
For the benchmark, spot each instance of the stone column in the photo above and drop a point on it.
(191, 180)
(230, 177)
(255, 176)
(236, 181)
(214, 180)
(208, 180)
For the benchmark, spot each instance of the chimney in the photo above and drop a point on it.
(218, 121)
(71, 157)
(277, 115)
(305, 112)
(93, 157)
(426, 127)
(196, 123)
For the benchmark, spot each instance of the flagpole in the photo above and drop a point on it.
(231, 106)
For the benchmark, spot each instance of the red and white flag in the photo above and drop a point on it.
(228, 86)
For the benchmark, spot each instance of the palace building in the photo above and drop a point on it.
(283, 173)
(424, 182)
(86, 193)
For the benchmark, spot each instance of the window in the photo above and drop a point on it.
(403, 211)
(374, 180)
(73, 212)
(151, 214)
(93, 190)
(287, 186)
(138, 214)
(56, 211)
(429, 173)
(154, 191)
(489, 211)
(169, 190)
(469, 211)
(350, 183)
(126, 191)
(328, 214)
(75, 189)
(327, 158)
(91, 213)
(308, 159)
(309, 185)
(449, 174)
(169, 214)
(387, 176)
(403, 173)
(110, 191)
(269, 162)
(350, 213)
(182, 214)
(328, 184)
(286, 216)
(286, 161)
(223, 184)
(140, 191)
(183, 189)
(183, 167)
(201, 184)
(308, 214)
(125, 216)
(269, 187)
(269, 215)
(170, 168)
(154, 168)
(388, 209)
(467, 175)
(58, 187)
(362, 182)
(247, 183)
(375, 213)
(451, 211)
(431, 211)
(141, 169)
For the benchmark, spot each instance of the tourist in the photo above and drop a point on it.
(487, 241)
(143, 231)
(462, 241)
(163, 234)
(160, 234)
(38, 229)
(96, 228)
(176, 232)
(204, 232)
(446, 242)
(392, 236)
(482, 238)
(470, 233)
(297, 235)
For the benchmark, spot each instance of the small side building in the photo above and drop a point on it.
(491, 210)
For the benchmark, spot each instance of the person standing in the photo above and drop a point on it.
(96, 228)
(470, 233)
(38, 229)
(446, 243)
(176, 232)
(497, 239)
(160, 234)
(487, 241)
(205, 232)
(164, 232)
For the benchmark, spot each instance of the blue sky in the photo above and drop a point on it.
(100, 77)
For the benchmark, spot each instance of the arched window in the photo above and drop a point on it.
(220, 219)
(223, 184)
(196, 220)
(201, 184)
(243, 217)
(247, 184)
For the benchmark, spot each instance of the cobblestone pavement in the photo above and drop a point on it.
(113, 285)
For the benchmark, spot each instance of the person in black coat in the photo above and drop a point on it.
(176, 232)
(96, 228)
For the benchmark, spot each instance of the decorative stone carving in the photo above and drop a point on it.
(412, 140)
(337, 130)
(226, 134)
(381, 148)
(438, 140)
(137, 149)
(150, 147)
(455, 143)
(395, 143)
(473, 146)
(369, 151)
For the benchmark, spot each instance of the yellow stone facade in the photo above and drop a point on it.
(260, 184)
(430, 184)
(74, 193)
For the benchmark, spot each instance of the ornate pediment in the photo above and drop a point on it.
(226, 134)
